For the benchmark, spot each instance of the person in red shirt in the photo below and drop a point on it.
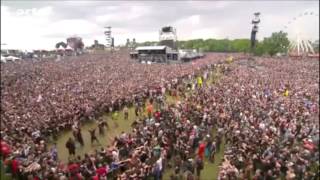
(95, 177)
(4, 149)
(15, 167)
(77, 176)
(102, 171)
(157, 115)
(201, 150)
(73, 168)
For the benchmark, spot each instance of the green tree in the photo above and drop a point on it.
(217, 45)
(240, 45)
(277, 43)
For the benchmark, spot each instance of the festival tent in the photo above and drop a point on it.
(3, 59)
(69, 48)
(60, 48)
(12, 58)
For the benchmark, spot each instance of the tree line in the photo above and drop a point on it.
(278, 42)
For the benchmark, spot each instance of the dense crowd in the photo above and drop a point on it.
(36, 96)
(39, 99)
(265, 110)
(271, 119)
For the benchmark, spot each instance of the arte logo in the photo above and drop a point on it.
(34, 11)
(26, 12)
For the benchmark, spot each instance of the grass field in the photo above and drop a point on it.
(116, 127)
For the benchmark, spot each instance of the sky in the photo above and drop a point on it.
(41, 24)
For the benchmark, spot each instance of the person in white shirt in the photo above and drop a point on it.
(115, 155)
(158, 169)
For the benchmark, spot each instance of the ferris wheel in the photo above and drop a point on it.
(302, 31)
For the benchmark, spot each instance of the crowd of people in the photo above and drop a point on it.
(36, 96)
(266, 111)
(39, 99)
(270, 119)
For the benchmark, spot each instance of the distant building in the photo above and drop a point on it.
(97, 46)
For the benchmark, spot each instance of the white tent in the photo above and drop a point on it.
(69, 48)
(12, 58)
(60, 48)
(3, 59)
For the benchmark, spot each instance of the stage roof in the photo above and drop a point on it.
(150, 48)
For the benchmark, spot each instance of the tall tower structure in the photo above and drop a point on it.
(168, 37)
(134, 44)
(107, 33)
(128, 43)
(255, 22)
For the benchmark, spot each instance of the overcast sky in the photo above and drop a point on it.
(35, 24)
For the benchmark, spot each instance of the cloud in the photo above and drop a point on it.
(70, 27)
(35, 24)
(21, 27)
(133, 13)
